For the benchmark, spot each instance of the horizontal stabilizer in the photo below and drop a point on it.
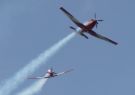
(72, 28)
(81, 33)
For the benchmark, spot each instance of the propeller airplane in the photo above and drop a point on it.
(50, 73)
(87, 27)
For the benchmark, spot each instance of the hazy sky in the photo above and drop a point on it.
(28, 27)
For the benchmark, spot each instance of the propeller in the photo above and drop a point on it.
(51, 69)
(97, 20)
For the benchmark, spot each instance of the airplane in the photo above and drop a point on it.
(50, 74)
(86, 27)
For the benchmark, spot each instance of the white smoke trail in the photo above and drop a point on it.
(34, 89)
(12, 83)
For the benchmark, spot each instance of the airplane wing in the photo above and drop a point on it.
(43, 77)
(102, 37)
(64, 72)
(36, 78)
(77, 22)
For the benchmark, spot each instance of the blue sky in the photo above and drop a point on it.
(28, 27)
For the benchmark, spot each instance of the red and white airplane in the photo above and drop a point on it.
(87, 27)
(50, 73)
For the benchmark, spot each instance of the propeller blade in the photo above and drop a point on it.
(95, 16)
(96, 25)
(100, 20)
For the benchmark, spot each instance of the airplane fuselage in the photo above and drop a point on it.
(51, 74)
(90, 25)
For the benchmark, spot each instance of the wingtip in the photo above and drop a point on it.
(61, 7)
(71, 70)
(115, 43)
